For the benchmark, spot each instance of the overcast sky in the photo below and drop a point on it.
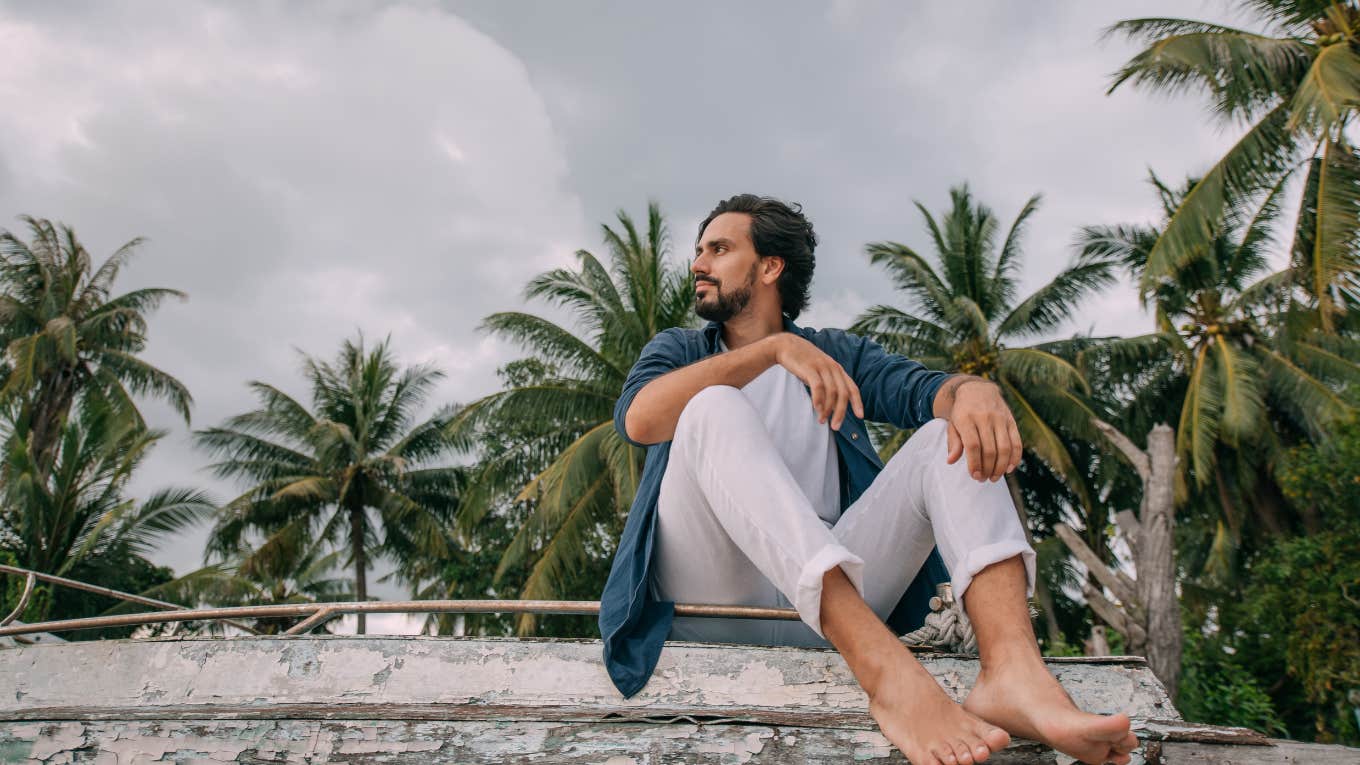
(307, 170)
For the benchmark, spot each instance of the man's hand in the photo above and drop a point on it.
(982, 425)
(832, 389)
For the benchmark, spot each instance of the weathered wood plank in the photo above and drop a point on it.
(464, 742)
(320, 742)
(462, 679)
(1278, 753)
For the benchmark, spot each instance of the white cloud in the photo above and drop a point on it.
(291, 166)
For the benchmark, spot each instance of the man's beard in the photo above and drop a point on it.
(725, 305)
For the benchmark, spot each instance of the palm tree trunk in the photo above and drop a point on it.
(356, 540)
(51, 406)
(1156, 560)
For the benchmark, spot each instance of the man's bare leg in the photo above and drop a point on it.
(1015, 690)
(909, 706)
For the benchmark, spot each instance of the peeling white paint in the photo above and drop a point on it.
(437, 700)
(55, 737)
(258, 672)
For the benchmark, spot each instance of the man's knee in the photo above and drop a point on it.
(932, 437)
(710, 404)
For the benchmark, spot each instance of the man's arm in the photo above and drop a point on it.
(656, 408)
(903, 392)
(980, 424)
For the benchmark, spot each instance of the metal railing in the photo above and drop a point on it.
(316, 614)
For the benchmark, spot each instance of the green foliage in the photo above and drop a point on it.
(1306, 591)
(124, 572)
(1216, 688)
(1061, 647)
(76, 513)
(1236, 364)
(67, 339)
(355, 472)
(1298, 87)
(550, 464)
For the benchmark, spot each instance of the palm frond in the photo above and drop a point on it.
(1255, 163)
(1242, 71)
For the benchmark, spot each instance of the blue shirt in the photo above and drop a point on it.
(893, 389)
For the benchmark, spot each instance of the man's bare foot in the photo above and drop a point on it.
(915, 714)
(1027, 701)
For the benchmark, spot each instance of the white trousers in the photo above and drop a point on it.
(735, 529)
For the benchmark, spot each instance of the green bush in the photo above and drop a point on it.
(1216, 688)
(1303, 600)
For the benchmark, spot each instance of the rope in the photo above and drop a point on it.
(947, 627)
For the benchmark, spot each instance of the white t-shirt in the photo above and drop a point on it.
(807, 446)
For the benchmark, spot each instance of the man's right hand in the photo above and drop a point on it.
(832, 388)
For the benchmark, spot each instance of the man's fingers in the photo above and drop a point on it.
(842, 402)
(832, 394)
(973, 448)
(1002, 435)
(855, 399)
(839, 396)
(818, 390)
(955, 444)
(1017, 447)
(987, 445)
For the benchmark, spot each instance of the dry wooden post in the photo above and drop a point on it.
(1148, 613)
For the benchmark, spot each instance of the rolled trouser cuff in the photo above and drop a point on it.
(808, 598)
(982, 557)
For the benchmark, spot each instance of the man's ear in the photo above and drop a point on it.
(771, 268)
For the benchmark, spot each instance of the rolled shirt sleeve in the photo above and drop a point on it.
(660, 355)
(894, 388)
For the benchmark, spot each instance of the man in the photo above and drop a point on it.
(760, 488)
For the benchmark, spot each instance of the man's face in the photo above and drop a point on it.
(724, 268)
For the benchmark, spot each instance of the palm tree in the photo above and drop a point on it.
(965, 319)
(76, 511)
(1235, 361)
(64, 334)
(355, 470)
(564, 465)
(1298, 86)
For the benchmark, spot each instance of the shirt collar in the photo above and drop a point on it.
(713, 333)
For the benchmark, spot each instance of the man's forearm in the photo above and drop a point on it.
(944, 397)
(652, 416)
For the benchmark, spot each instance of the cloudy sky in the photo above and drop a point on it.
(308, 170)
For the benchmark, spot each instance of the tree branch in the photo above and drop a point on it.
(1136, 457)
(1121, 587)
(1113, 616)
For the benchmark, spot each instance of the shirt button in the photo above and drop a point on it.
(854, 436)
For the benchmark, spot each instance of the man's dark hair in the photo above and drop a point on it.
(778, 230)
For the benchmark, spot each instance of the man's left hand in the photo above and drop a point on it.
(981, 425)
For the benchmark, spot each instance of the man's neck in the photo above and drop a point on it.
(750, 326)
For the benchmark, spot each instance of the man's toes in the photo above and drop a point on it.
(1127, 744)
(1114, 727)
(945, 755)
(962, 752)
(995, 738)
(925, 756)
